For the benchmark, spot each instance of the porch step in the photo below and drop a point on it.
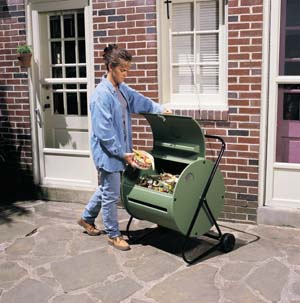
(81, 195)
(278, 216)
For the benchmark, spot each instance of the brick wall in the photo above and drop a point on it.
(15, 131)
(132, 24)
(245, 22)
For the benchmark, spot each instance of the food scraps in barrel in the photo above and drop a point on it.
(164, 182)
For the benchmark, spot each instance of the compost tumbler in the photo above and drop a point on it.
(198, 196)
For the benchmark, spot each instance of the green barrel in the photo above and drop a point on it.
(179, 149)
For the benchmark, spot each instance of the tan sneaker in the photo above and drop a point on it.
(91, 229)
(119, 243)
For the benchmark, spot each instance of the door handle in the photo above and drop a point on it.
(38, 117)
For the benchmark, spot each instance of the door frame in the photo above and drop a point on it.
(271, 79)
(33, 8)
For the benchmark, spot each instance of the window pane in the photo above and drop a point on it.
(56, 72)
(183, 47)
(288, 124)
(57, 86)
(83, 104)
(293, 12)
(291, 107)
(55, 52)
(72, 107)
(207, 16)
(207, 48)
(71, 86)
(289, 60)
(291, 101)
(82, 72)
(208, 77)
(71, 72)
(81, 51)
(80, 28)
(182, 17)
(292, 68)
(58, 103)
(183, 79)
(69, 26)
(70, 52)
(292, 44)
(55, 29)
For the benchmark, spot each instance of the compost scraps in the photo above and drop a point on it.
(143, 160)
(164, 182)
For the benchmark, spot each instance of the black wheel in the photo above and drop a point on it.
(227, 243)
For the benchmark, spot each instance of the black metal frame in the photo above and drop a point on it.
(225, 241)
(203, 202)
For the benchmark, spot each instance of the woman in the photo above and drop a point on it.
(111, 142)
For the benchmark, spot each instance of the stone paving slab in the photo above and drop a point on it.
(45, 257)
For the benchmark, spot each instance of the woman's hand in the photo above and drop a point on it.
(128, 158)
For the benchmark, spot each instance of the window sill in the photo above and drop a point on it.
(204, 114)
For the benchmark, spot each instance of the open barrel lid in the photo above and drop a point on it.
(176, 138)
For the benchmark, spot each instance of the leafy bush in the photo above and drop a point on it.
(24, 49)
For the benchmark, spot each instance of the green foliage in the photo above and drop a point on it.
(24, 49)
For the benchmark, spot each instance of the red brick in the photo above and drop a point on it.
(251, 18)
(238, 26)
(135, 17)
(238, 10)
(125, 11)
(115, 4)
(252, 33)
(251, 2)
(240, 56)
(243, 41)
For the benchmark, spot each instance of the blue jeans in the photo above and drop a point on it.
(106, 197)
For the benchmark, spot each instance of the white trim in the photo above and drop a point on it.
(34, 8)
(56, 151)
(195, 101)
(276, 173)
(191, 106)
(272, 98)
(64, 80)
(163, 51)
(287, 166)
(287, 79)
(32, 75)
(90, 71)
(264, 104)
(54, 5)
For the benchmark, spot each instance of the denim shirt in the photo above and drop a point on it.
(107, 136)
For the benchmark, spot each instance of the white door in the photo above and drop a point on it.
(62, 97)
(283, 162)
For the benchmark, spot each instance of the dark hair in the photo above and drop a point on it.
(113, 54)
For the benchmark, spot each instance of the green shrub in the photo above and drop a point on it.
(24, 49)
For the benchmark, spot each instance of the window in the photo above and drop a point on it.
(288, 109)
(193, 54)
(289, 64)
(63, 76)
(68, 60)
